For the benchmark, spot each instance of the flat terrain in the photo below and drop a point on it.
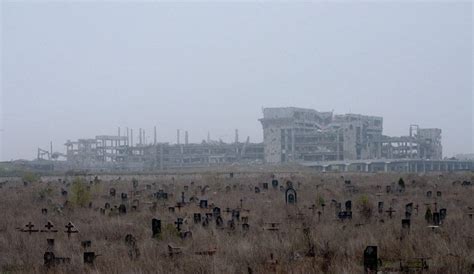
(266, 233)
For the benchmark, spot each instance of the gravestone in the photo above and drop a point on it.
(274, 183)
(197, 218)
(380, 207)
(71, 229)
(289, 184)
(428, 215)
(203, 204)
(155, 227)
(257, 189)
(370, 259)
(388, 189)
(429, 194)
(442, 214)
(124, 197)
(50, 243)
(216, 211)
(265, 185)
(122, 209)
(219, 221)
(112, 192)
(86, 244)
(348, 205)
(89, 258)
(107, 206)
(438, 194)
(44, 211)
(236, 215)
(406, 224)
(436, 219)
(245, 227)
(290, 196)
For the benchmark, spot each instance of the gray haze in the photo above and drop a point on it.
(82, 69)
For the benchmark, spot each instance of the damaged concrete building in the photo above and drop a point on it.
(118, 152)
(322, 140)
(299, 135)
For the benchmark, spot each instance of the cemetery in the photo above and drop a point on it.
(238, 222)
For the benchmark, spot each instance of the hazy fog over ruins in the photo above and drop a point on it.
(83, 69)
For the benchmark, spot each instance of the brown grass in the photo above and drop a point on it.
(338, 245)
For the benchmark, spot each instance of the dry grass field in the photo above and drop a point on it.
(305, 237)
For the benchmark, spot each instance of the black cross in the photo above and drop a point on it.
(49, 227)
(178, 223)
(69, 227)
(30, 228)
(390, 211)
(241, 200)
(182, 197)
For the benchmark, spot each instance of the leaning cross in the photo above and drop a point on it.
(69, 227)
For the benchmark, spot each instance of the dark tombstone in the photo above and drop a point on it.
(289, 184)
(102, 211)
(89, 258)
(122, 209)
(409, 208)
(182, 198)
(290, 196)
(390, 212)
(216, 212)
(282, 188)
(148, 187)
(245, 227)
(348, 205)
(44, 211)
(388, 189)
(406, 224)
(428, 215)
(231, 175)
(124, 196)
(50, 243)
(236, 215)
(344, 215)
(135, 183)
(380, 207)
(265, 185)
(401, 185)
(49, 259)
(155, 227)
(107, 206)
(112, 192)
(257, 189)
(274, 183)
(370, 259)
(203, 204)
(86, 244)
(197, 218)
(407, 215)
(429, 193)
(438, 194)
(442, 214)
(436, 219)
(64, 193)
(347, 182)
(219, 221)
(231, 224)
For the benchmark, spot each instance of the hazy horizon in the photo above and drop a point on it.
(77, 70)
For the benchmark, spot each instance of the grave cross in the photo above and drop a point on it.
(390, 211)
(49, 227)
(70, 230)
(178, 223)
(30, 228)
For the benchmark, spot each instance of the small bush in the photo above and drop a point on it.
(80, 195)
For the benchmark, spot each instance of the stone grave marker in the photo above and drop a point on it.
(155, 228)
(290, 196)
(122, 209)
(274, 183)
(203, 203)
(370, 259)
(265, 185)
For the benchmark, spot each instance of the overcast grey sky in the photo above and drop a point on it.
(82, 69)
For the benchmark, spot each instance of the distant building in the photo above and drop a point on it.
(298, 135)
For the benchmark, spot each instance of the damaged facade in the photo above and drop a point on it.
(301, 135)
(290, 135)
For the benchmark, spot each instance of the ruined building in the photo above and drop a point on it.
(322, 140)
(300, 135)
